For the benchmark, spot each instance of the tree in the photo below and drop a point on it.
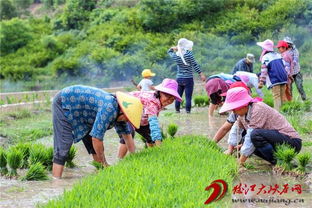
(7, 10)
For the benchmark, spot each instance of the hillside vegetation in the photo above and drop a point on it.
(97, 42)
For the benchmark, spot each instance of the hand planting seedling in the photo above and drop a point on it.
(15, 160)
(172, 129)
(285, 155)
(71, 155)
(97, 165)
(36, 172)
(3, 162)
(303, 160)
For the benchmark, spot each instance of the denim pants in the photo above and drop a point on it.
(265, 142)
(298, 80)
(187, 85)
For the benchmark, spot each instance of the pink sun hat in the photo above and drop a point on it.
(235, 98)
(169, 86)
(266, 45)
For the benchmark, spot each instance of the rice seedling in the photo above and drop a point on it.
(48, 158)
(71, 155)
(97, 165)
(180, 179)
(306, 144)
(3, 162)
(268, 99)
(285, 155)
(15, 160)
(36, 172)
(24, 113)
(201, 100)
(163, 134)
(37, 154)
(25, 149)
(303, 161)
(307, 105)
(172, 129)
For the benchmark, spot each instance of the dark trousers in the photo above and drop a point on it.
(298, 81)
(265, 142)
(187, 85)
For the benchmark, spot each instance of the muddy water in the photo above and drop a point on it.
(15, 193)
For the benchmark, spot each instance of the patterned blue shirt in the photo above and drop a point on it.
(185, 71)
(91, 110)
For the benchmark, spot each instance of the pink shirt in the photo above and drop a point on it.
(151, 104)
(262, 116)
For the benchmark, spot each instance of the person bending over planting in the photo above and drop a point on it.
(266, 127)
(85, 113)
(153, 102)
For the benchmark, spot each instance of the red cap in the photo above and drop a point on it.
(237, 84)
(282, 43)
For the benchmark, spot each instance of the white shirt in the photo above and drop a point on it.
(253, 81)
(145, 84)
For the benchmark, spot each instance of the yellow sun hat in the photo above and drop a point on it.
(131, 107)
(147, 73)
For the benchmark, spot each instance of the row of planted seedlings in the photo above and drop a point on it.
(35, 158)
(289, 162)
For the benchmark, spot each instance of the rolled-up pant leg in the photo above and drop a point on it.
(63, 137)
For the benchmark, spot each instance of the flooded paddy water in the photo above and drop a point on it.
(16, 193)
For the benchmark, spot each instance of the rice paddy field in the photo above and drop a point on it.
(173, 175)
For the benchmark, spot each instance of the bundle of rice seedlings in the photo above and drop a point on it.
(303, 160)
(172, 129)
(36, 172)
(97, 165)
(48, 158)
(37, 154)
(3, 162)
(284, 155)
(71, 155)
(14, 159)
(24, 148)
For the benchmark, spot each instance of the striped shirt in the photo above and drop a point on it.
(185, 71)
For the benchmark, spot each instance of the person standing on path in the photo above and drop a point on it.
(186, 63)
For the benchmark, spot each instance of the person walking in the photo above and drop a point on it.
(186, 64)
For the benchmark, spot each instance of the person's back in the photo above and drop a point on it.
(146, 84)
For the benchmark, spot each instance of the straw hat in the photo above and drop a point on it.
(131, 107)
(147, 73)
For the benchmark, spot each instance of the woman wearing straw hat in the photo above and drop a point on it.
(85, 113)
(153, 102)
(183, 56)
(265, 126)
(273, 72)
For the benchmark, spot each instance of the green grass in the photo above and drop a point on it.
(174, 175)
(306, 144)
(24, 128)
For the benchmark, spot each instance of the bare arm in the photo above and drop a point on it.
(211, 109)
(225, 128)
(129, 142)
(98, 146)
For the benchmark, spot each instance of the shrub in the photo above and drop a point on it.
(7, 10)
(71, 155)
(172, 129)
(15, 161)
(3, 162)
(36, 172)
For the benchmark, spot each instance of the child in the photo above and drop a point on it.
(146, 84)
